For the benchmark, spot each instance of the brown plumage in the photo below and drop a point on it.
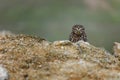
(78, 33)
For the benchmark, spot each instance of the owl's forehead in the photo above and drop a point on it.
(78, 27)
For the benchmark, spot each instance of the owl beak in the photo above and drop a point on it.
(78, 32)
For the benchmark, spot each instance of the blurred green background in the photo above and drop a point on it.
(53, 19)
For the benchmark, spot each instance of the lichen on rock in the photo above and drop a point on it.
(33, 58)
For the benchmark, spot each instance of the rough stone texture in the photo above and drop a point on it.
(3, 73)
(32, 58)
(116, 48)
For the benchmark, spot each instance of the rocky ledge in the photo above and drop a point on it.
(33, 58)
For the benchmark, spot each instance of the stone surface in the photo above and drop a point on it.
(33, 58)
(116, 48)
(3, 73)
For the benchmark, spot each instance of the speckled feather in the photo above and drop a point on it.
(77, 34)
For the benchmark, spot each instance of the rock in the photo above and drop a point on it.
(3, 73)
(116, 48)
(32, 58)
(4, 34)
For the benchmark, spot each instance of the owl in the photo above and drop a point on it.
(78, 33)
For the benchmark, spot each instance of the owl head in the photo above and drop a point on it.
(78, 29)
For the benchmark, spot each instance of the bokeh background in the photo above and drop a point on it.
(53, 19)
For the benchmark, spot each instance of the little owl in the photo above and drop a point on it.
(78, 33)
